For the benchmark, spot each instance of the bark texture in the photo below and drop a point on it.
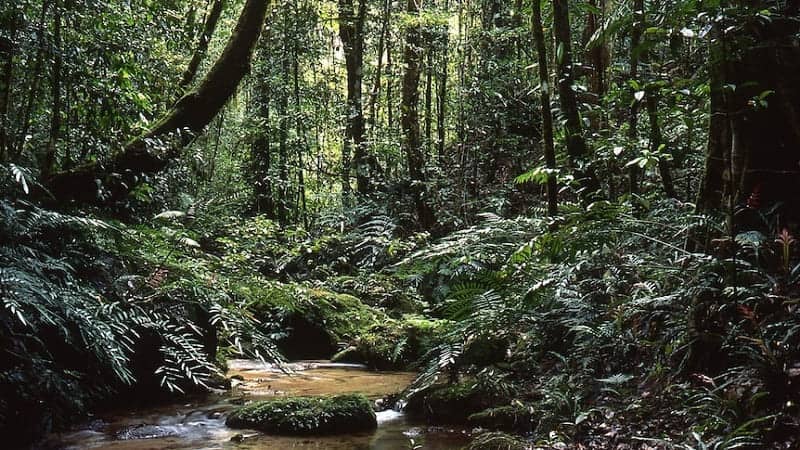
(409, 122)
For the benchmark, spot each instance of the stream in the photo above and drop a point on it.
(200, 423)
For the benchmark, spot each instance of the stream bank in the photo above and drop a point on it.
(199, 422)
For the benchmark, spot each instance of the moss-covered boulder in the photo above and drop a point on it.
(498, 441)
(518, 418)
(307, 415)
(317, 320)
(392, 344)
(452, 403)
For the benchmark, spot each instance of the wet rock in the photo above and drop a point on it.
(144, 431)
(307, 415)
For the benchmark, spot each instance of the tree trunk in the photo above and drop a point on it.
(441, 106)
(47, 162)
(412, 57)
(10, 21)
(263, 201)
(351, 32)
(283, 135)
(429, 101)
(633, 115)
(191, 113)
(655, 143)
(576, 145)
(376, 85)
(754, 135)
(547, 113)
(18, 143)
(202, 45)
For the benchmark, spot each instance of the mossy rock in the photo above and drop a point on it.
(498, 441)
(389, 292)
(307, 415)
(393, 344)
(506, 418)
(317, 319)
(451, 403)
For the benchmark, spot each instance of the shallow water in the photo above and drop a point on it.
(200, 423)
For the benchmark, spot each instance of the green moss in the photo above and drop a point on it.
(498, 441)
(388, 292)
(506, 418)
(392, 344)
(307, 415)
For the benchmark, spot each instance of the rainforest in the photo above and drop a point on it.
(400, 224)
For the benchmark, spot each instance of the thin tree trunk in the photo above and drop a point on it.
(47, 163)
(376, 85)
(412, 58)
(283, 135)
(33, 93)
(301, 129)
(633, 115)
(655, 143)
(202, 45)
(441, 106)
(576, 145)
(260, 149)
(546, 110)
(429, 102)
(10, 22)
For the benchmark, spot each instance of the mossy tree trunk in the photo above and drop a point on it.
(409, 109)
(576, 144)
(351, 32)
(753, 154)
(190, 115)
(547, 113)
(202, 45)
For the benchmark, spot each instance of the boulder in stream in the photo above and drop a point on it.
(307, 415)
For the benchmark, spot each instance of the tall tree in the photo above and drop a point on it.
(10, 21)
(48, 159)
(547, 113)
(633, 113)
(754, 133)
(351, 32)
(260, 151)
(409, 121)
(576, 144)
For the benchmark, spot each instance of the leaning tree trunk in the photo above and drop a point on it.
(190, 115)
(202, 45)
(412, 57)
(576, 145)
(547, 113)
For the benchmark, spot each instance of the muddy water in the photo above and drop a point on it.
(200, 423)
